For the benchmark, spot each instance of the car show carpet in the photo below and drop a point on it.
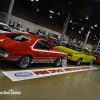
(38, 73)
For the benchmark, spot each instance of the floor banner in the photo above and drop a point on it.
(31, 74)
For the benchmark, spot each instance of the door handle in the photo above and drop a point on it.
(40, 51)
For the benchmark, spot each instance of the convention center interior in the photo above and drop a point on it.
(49, 49)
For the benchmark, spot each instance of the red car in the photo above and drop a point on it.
(25, 48)
(97, 55)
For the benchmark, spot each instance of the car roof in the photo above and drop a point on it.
(3, 24)
(34, 38)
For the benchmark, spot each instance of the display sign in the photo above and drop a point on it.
(64, 63)
(38, 73)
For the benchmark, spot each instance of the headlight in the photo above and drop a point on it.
(6, 55)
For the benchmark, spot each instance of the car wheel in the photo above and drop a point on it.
(91, 62)
(24, 62)
(58, 62)
(78, 62)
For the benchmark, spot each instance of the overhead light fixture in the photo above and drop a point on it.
(50, 16)
(58, 13)
(94, 39)
(69, 2)
(95, 25)
(72, 28)
(36, 0)
(82, 28)
(37, 9)
(90, 37)
(71, 21)
(87, 17)
(51, 11)
(32, 0)
(79, 31)
(92, 27)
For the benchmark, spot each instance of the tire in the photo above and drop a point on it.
(78, 62)
(58, 62)
(24, 62)
(91, 62)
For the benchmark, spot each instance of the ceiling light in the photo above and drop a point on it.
(51, 11)
(94, 39)
(87, 17)
(82, 28)
(72, 28)
(37, 9)
(79, 31)
(70, 20)
(50, 16)
(36, 0)
(58, 13)
(92, 27)
(69, 2)
(90, 37)
(95, 25)
(32, 0)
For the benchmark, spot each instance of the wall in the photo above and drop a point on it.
(33, 21)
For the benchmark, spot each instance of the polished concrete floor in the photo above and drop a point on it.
(70, 86)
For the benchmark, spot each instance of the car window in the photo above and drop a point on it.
(18, 37)
(43, 45)
(5, 28)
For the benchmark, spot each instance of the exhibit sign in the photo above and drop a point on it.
(38, 73)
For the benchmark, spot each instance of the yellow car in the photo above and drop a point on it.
(77, 54)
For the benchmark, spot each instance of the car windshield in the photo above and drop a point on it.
(18, 37)
(76, 48)
(5, 28)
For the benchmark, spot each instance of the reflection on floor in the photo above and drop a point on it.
(70, 86)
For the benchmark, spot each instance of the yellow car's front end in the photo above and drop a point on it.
(76, 56)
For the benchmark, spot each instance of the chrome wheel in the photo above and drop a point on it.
(78, 62)
(25, 61)
(58, 62)
(91, 63)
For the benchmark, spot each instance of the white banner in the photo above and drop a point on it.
(31, 74)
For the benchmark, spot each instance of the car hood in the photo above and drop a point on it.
(67, 50)
(6, 42)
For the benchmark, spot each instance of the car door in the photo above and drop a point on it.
(88, 57)
(43, 52)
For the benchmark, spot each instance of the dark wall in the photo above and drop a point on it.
(32, 16)
(29, 14)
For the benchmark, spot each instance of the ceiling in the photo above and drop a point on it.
(79, 10)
